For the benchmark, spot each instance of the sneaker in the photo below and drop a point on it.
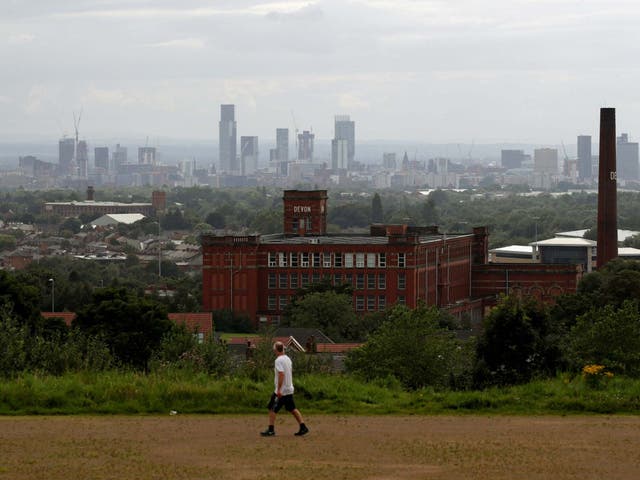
(268, 433)
(303, 431)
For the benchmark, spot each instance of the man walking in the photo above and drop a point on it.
(283, 394)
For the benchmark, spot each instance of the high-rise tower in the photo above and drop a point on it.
(248, 155)
(228, 139)
(584, 157)
(66, 152)
(343, 145)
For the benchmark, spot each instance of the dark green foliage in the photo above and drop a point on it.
(517, 343)
(608, 336)
(19, 299)
(415, 347)
(215, 219)
(377, 214)
(132, 326)
(231, 322)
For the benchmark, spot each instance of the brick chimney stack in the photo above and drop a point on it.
(607, 189)
(90, 193)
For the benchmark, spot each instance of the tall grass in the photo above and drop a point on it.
(116, 392)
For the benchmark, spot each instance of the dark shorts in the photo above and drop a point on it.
(285, 401)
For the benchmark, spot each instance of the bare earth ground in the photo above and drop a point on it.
(381, 447)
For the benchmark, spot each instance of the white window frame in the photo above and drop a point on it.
(348, 260)
(382, 260)
(371, 260)
(282, 259)
(273, 259)
(359, 260)
(304, 261)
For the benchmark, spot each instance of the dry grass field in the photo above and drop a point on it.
(342, 447)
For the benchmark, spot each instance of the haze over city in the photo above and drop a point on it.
(432, 71)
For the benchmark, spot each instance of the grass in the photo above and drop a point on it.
(136, 393)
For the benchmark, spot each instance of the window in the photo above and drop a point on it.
(348, 278)
(371, 260)
(402, 260)
(382, 281)
(271, 302)
(382, 302)
(337, 279)
(371, 302)
(272, 259)
(371, 281)
(294, 225)
(360, 281)
(337, 260)
(359, 260)
(360, 303)
(382, 260)
(315, 277)
(284, 300)
(326, 260)
(316, 259)
(402, 281)
(293, 259)
(293, 283)
(305, 280)
(304, 261)
(282, 281)
(272, 280)
(401, 300)
(348, 260)
(282, 259)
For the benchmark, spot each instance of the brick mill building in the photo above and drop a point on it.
(258, 275)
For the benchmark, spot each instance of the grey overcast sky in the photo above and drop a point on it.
(534, 71)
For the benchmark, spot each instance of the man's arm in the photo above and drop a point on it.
(280, 383)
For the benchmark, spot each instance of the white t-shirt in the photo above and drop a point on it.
(283, 364)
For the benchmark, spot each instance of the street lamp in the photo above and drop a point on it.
(53, 294)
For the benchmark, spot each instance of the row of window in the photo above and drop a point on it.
(363, 302)
(332, 260)
(360, 281)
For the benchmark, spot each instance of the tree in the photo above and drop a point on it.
(417, 348)
(19, 299)
(518, 341)
(132, 326)
(608, 336)
(215, 219)
(377, 214)
(330, 312)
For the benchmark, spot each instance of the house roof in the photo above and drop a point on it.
(565, 242)
(302, 334)
(523, 249)
(622, 234)
(196, 322)
(337, 347)
(68, 317)
(115, 218)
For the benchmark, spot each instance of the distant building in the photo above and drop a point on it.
(66, 152)
(228, 140)
(101, 158)
(389, 161)
(585, 167)
(82, 159)
(545, 160)
(119, 157)
(282, 151)
(90, 206)
(305, 146)
(146, 155)
(248, 155)
(512, 158)
(343, 145)
(627, 158)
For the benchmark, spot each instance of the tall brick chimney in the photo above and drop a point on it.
(607, 189)
(90, 192)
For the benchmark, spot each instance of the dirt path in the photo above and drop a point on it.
(350, 448)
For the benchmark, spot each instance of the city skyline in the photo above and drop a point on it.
(430, 71)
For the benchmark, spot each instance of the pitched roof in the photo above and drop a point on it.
(196, 322)
(302, 334)
(68, 317)
(337, 347)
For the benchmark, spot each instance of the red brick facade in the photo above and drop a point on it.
(393, 264)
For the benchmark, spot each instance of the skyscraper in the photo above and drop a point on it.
(584, 157)
(82, 158)
(545, 160)
(248, 155)
(119, 157)
(512, 158)
(147, 155)
(305, 146)
(66, 152)
(627, 155)
(282, 150)
(101, 157)
(344, 129)
(228, 139)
